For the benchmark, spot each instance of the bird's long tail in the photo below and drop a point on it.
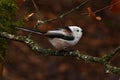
(30, 30)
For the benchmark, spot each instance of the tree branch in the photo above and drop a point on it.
(111, 54)
(72, 10)
(77, 54)
(62, 15)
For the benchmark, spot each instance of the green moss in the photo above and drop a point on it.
(7, 13)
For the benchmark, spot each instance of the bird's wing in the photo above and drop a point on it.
(59, 34)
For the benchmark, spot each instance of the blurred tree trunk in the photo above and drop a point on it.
(1, 70)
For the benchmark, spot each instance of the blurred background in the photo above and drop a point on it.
(100, 37)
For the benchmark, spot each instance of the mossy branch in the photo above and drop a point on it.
(77, 54)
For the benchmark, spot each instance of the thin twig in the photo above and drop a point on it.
(37, 10)
(106, 7)
(72, 10)
(111, 54)
(61, 16)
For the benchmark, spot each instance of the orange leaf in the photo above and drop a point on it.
(115, 8)
(98, 18)
(28, 16)
(90, 12)
(93, 15)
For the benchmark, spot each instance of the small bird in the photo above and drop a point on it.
(60, 38)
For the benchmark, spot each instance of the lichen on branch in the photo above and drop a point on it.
(77, 54)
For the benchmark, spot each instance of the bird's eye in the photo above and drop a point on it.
(77, 30)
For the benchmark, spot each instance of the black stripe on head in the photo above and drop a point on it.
(66, 28)
(57, 35)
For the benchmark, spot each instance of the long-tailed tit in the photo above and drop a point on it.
(60, 38)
